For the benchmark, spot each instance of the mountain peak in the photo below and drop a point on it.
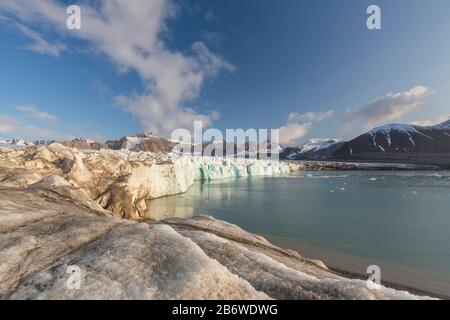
(394, 127)
(313, 146)
(143, 134)
(444, 125)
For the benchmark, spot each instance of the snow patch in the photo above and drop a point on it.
(387, 129)
(412, 140)
(133, 142)
(444, 125)
(400, 128)
(16, 143)
(389, 140)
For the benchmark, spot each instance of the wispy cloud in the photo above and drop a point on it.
(210, 16)
(15, 126)
(298, 125)
(101, 88)
(130, 33)
(39, 43)
(34, 112)
(213, 39)
(310, 116)
(19, 126)
(388, 108)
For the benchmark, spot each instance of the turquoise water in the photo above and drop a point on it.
(399, 221)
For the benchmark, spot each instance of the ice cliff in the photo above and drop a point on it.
(121, 181)
(220, 168)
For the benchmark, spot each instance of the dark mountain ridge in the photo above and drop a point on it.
(397, 143)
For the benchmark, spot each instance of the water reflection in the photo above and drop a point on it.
(398, 220)
(211, 195)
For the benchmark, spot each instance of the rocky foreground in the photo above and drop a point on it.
(60, 207)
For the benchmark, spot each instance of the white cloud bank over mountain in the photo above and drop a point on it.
(129, 34)
(298, 125)
(432, 121)
(388, 108)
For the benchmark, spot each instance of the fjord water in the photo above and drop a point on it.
(399, 221)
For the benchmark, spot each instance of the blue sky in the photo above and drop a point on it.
(311, 68)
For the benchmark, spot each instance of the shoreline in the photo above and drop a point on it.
(389, 284)
(342, 165)
(344, 270)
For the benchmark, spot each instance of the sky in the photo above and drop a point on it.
(310, 68)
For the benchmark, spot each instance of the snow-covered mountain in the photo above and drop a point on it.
(84, 144)
(149, 142)
(400, 143)
(311, 149)
(16, 142)
(142, 141)
(444, 125)
(399, 139)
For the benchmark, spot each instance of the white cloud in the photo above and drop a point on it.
(433, 121)
(310, 116)
(160, 119)
(129, 33)
(33, 111)
(292, 132)
(39, 44)
(298, 125)
(15, 126)
(388, 108)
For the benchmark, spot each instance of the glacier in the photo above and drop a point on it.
(123, 180)
(61, 207)
(214, 168)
